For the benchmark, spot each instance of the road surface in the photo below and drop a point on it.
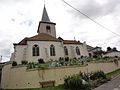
(114, 84)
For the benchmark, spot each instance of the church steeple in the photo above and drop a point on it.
(45, 25)
(45, 16)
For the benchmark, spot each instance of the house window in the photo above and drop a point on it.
(35, 50)
(65, 50)
(48, 29)
(77, 51)
(52, 50)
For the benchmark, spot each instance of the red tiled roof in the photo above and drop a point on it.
(22, 42)
(71, 42)
(43, 37)
(39, 37)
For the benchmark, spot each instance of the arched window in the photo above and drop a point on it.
(65, 50)
(35, 50)
(77, 51)
(52, 50)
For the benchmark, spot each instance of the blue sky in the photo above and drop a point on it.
(20, 18)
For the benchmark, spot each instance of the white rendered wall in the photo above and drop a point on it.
(72, 50)
(19, 53)
(44, 45)
(112, 54)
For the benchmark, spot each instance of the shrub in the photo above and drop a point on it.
(106, 57)
(116, 61)
(75, 83)
(31, 65)
(81, 57)
(95, 56)
(66, 59)
(41, 61)
(14, 63)
(97, 75)
(61, 61)
(24, 62)
(61, 58)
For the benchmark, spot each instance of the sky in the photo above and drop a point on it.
(20, 19)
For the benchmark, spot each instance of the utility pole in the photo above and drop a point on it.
(0, 58)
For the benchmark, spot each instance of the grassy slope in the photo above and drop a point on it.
(48, 88)
(114, 73)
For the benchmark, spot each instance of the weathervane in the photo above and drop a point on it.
(44, 2)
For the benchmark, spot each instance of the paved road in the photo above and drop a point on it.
(114, 84)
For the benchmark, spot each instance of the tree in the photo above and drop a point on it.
(109, 49)
(114, 49)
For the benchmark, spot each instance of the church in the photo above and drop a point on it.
(45, 45)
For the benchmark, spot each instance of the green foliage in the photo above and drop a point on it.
(61, 61)
(24, 62)
(75, 83)
(66, 59)
(114, 73)
(106, 57)
(41, 61)
(43, 66)
(14, 63)
(95, 56)
(116, 61)
(31, 65)
(97, 75)
(94, 78)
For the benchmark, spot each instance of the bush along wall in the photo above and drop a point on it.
(14, 63)
(85, 81)
(75, 82)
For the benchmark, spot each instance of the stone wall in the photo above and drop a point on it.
(20, 77)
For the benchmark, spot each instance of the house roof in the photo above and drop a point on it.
(71, 42)
(43, 37)
(112, 51)
(39, 37)
(89, 47)
(94, 48)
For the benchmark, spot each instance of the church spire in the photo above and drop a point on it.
(45, 16)
(45, 25)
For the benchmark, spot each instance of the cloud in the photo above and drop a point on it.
(93, 8)
(13, 1)
(5, 50)
(27, 23)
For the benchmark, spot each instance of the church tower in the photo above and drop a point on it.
(45, 25)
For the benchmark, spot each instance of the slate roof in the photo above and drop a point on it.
(45, 16)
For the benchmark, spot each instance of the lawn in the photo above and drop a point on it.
(114, 73)
(48, 88)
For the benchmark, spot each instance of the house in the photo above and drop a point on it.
(94, 51)
(45, 45)
(112, 54)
